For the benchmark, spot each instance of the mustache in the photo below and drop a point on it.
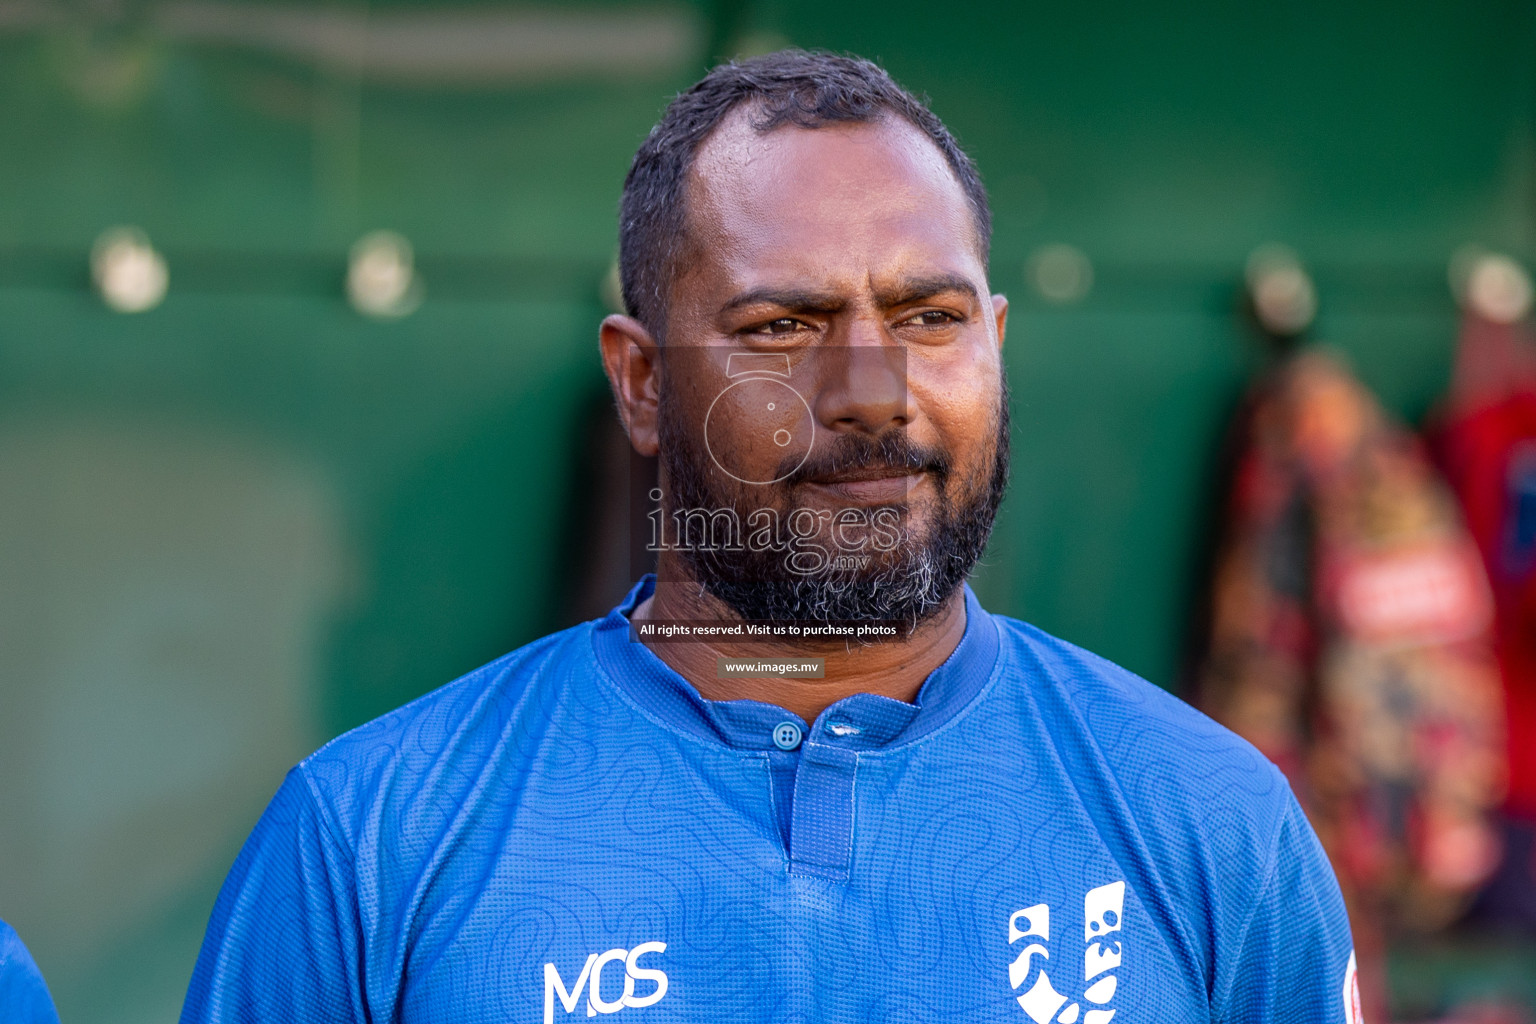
(892, 450)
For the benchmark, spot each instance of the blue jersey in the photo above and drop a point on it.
(24, 998)
(572, 831)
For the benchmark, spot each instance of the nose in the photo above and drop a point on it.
(862, 384)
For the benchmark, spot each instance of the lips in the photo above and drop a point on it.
(857, 470)
(869, 485)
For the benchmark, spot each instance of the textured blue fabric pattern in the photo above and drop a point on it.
(24, 998)
(572, 831)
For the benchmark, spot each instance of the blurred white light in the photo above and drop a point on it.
(1495, 288)
(381, 276)
(1284, 297)
(129, 274)
(1060, 273)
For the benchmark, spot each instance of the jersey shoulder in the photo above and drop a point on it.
(433, 751)
(1157, 746)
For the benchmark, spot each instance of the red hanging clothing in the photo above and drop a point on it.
(1486, 445)
(1349, 641)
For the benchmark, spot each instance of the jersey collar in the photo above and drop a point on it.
(864, 721)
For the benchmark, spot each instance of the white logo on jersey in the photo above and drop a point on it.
(591, 978)
(1352, 1014)
(1103, 910)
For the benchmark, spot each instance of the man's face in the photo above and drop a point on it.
(831, 373)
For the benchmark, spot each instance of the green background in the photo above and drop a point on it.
(249, 519)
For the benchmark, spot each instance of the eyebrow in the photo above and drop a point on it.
(794, 299)
(919, 288)
(798, 300)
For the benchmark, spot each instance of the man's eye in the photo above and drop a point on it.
(932, 318)
(783, 325)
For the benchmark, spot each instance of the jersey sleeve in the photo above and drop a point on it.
(284, 942)
(24, 998)
(1294, 962)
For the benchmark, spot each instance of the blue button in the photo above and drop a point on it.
(786, 735)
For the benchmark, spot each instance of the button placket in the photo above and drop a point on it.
(821, 824)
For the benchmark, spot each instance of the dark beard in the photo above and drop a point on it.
(905, 587)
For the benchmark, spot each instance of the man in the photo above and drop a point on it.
(950, 817)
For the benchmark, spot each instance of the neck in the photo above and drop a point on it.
(893, 668)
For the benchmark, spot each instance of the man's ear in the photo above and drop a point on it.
(632, 360)
(1000, 313)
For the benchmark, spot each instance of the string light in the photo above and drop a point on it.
(130, 276)
(381, 276)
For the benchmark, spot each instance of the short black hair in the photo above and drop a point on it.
(807, 89)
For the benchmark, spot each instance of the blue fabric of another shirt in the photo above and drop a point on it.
(572, 831)
(24, 998)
